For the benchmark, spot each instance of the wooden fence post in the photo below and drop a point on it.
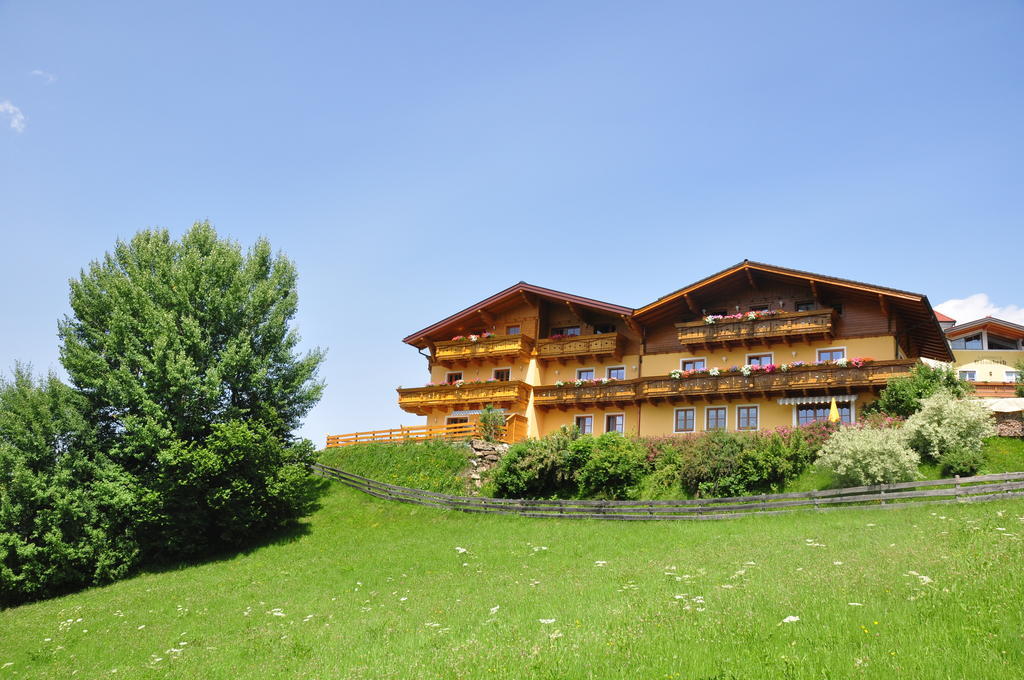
(956, 488)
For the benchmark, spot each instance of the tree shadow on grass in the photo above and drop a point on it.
(314, 491)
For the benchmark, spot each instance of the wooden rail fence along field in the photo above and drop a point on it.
(955, 490)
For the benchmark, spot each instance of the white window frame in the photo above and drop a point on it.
(502, 368)
(609, 369)
(706, 428)
(675, 419)
(973, 378)
(757, 408)
(704, 359)
(1010, 376)
(591, 369)
(584, 415)
(817, 352)
(448, 375)
(615, 413)
(771, 357)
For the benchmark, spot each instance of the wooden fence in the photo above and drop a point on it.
(956, 490)
(515, 430)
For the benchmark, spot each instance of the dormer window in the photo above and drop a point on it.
(967, 342)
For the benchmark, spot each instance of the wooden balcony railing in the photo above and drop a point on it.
(423, 400)
(789, 326)
(581, 347)
(494, 349)
(515, 430)
(798, 381)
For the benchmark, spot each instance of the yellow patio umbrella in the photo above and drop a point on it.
(833, 412)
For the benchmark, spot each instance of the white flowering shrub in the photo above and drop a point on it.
(949, 427)
(869, 456)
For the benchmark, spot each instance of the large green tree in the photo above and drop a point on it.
(65, 509)
(185, 354)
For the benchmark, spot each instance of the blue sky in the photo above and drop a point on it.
(415, 157)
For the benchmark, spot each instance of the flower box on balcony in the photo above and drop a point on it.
(493, 349)
(781, 326)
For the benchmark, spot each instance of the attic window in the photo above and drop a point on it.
(603, 328)
(996, 342)
(759, 308)
(805, 306)
(565, 330)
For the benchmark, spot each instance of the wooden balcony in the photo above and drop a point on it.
(799, 381)
(788, 327)
(581, 348)
(496, 349)
(513, 394)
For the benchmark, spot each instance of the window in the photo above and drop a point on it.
(996, 342)
(512, 330)
(453, 377)
(831, 354)
(686, 420)
(584, 374)
(585, 424)
(759, 359)
(602, 328)
(716, 312)
(967, 342)
(503, 374)
(615, 422)
(714, 418)
(805, 306)
(968, 375)
(758, 308)
(566, 330)
(452, 420)
(811, 413)
(1011, 376)
(692, 364)
(746, 417)
(617, 372)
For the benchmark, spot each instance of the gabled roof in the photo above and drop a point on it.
(1010, 328)
(519, 290)
(943, 318)
(914, 307)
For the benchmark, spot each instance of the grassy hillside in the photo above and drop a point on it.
(428, 465)
(373, 589)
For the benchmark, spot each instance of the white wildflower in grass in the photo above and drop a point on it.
(791, 619)
(1000, 528)
(855, 604)
(837, 563)
(680, 597)
(547, 621)
(460, 550)
(402, 599)
(600, 563)
(538, 548)
(495, 608)
(726, 586)
(749, 564)
(276, 611)
(920, 577)
(557, 634)
(431, 624)
(141, 627)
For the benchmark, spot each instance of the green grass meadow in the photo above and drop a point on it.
(377, 589)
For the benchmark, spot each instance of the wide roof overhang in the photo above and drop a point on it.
(913, 307)
(478, 314)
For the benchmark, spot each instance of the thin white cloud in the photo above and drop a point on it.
(17, 117)
(45, 75)
(978, 306)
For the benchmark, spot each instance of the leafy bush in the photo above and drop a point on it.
(64, 508)
(613, 465)
(492, 423)
(950, 428)
(540, 468)
(869, 456)
(963, 462)
(902, 396)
